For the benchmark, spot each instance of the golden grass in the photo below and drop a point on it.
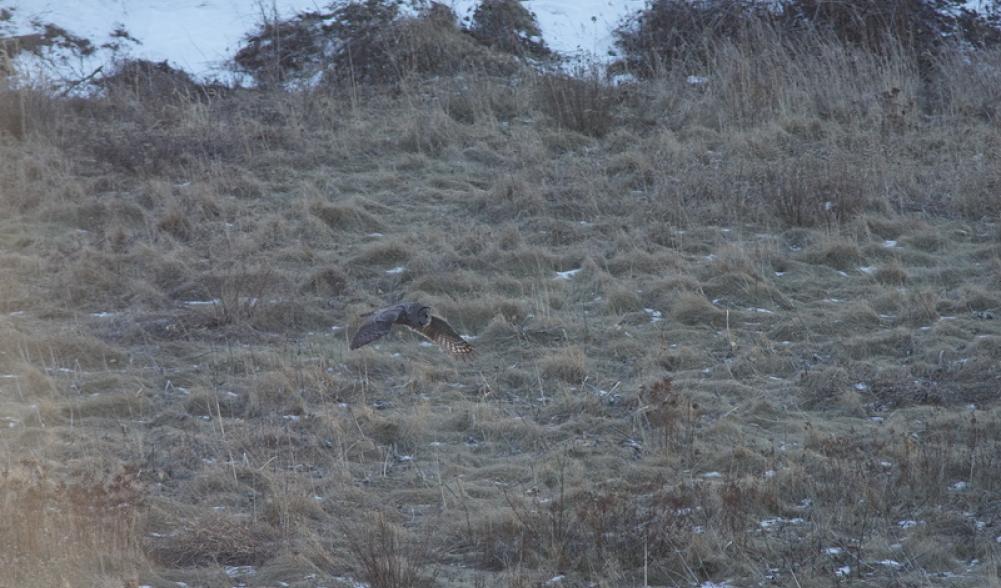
(718, 394)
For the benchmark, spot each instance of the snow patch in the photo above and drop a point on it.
(238, 571)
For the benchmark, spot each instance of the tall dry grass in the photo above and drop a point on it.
(741, 329)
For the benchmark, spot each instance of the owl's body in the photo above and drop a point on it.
(414, 316)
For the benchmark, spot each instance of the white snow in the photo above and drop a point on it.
(779, 521)
(581, 29)
(202, 302)
(567, 274)
(200, 36)
(237, 571)
(396, 270)
(195, 35)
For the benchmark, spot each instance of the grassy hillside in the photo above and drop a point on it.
(746, 330)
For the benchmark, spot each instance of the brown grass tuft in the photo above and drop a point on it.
(346, 217)
(892, 275)
(690, 308)
(583, 104)
(568, 365)
(213, 538)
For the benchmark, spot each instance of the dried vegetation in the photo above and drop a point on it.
(745, 329)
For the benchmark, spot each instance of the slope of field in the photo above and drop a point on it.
(745, 332)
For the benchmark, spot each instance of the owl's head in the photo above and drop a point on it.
(418, 314)
(424, 316)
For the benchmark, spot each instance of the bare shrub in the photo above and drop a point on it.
(144, 80)
(390, 559)
(669, 31)
(508, 26)
(675, 30)
(365, 41)
(921, 27)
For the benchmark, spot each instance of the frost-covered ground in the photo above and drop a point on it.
(199, 36)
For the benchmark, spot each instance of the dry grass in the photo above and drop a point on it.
(781, 346)
(85, 532)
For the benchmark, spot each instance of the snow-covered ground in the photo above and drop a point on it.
(573, 27)
(199, 36)
(195, 35)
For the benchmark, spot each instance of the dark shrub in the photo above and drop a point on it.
(146, 80)
(508, 26)
(672, 30)
(363, 42)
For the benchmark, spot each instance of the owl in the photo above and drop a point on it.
(414, 316)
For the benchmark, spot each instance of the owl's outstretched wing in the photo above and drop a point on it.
(445, 336)
(377, 325)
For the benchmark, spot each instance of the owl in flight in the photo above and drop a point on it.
(414, 316)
